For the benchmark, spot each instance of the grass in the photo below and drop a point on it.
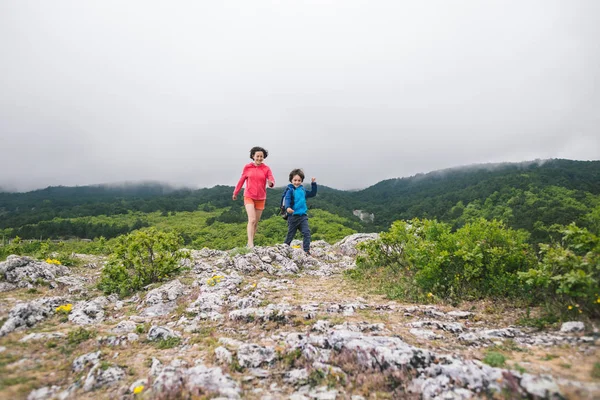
(301, 321)
(596, 371)
(542, 322)
(519, 368)
(79, 335)
(6, 359)
(206, 339)
(239, 251)
(549, 357)
(235, 365)
(104, 365)
(168, 343)
(290, 359)
(365, 379)
(373, 315)
(508, 345)
(141, 328)
(494, 359)
(6, 379)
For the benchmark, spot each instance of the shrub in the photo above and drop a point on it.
(168, 343)
(79, 335)
(494, 359)
(480, 259)
(567, 278)
(142, 258)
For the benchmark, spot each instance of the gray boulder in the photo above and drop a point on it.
(253, 355)
(212, 379)
(124, 327)
(80, 363)
(43, 336)
(572, 326)
(166, 293)
(25, 271)
(161, 333)
(98, 378)
(347, 246)
(29, 314)
(44, 393)
(542, 386)
(89, 312)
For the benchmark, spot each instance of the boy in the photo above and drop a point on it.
(298, 218)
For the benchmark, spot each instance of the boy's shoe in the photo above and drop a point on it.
(307, 253)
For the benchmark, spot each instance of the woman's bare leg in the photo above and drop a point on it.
(252, 222)
(258, 215)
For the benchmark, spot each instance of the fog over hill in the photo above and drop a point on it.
(163, 187)
(353, 92)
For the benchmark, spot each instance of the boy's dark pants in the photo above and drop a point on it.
(296, 222)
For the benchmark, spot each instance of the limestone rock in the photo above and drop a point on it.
(29, 314)
(253, 355)
(166, 293)
(98, 378)
(81, 362)
(124, 327)
(572, 326)
(347, 246)
(161, 333)
(44, 393)
(88, 312)
(25, 271)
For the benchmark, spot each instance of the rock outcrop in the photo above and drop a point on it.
(271, 323)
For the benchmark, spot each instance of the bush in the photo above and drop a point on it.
(495, 359)
(567, 278)
(481, 259)
(79, 335)
(168, 343)
(142, 258)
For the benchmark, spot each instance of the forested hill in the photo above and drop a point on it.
(532, 196)
(496, 187)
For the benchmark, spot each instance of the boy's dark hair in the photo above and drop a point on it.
(258, 148)
(298, 172)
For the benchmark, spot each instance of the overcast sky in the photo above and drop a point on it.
(354, 92)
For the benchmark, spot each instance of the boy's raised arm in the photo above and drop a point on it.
(313, 188)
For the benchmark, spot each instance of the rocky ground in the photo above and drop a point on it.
(271, 323)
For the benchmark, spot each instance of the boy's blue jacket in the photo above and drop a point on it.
(300, 194)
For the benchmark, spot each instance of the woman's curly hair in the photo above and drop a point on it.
(258, 148)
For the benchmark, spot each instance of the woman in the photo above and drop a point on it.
(257, 176)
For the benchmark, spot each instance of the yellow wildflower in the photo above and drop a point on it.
(296, 247)
(138, 389)
(214, 280)
(570, 307)
(52, 261)
(65, 308)
(429, 294)
(598, 300)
